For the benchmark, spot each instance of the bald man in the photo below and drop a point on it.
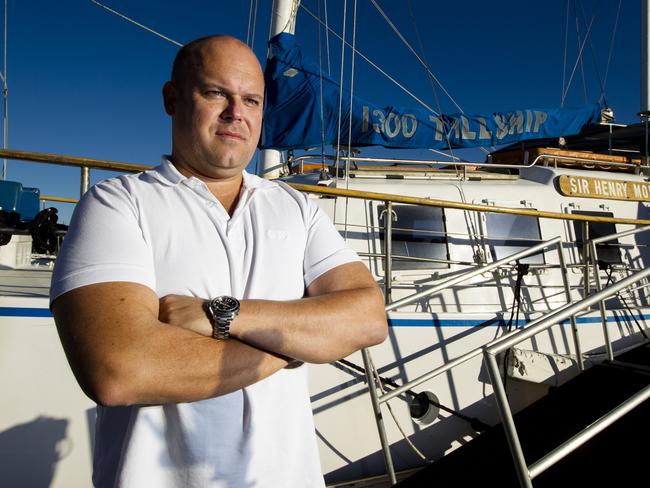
(188, 297)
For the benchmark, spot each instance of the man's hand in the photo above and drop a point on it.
(186, 312)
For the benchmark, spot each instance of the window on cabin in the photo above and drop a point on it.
(418, 232)
(609, 251)
(508, 234)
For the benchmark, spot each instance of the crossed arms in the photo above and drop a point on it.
(125, 346)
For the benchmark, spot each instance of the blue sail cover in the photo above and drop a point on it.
(293, 114)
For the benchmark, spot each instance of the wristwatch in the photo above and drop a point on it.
(222, 311)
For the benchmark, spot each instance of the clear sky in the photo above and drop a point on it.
(84, 82)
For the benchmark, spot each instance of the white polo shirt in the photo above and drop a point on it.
(169, 233)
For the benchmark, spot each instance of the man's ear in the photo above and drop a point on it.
(170, 94)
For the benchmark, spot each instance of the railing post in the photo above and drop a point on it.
(567, 292)
(388, 245)
(585, 257)
(379, 419)
(85, 176)
(601, 304)
(507, 419)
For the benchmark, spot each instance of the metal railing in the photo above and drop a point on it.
(526, 473)
(377, 400)
(505, 342)
(593, 252)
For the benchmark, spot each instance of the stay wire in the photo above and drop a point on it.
(429, 77)
(566, 45)
(250, 17)
(611, 50)
(426, 67)
(372, 63)
(320, 73)
(138, 24)
(578, 60)
(592, 51)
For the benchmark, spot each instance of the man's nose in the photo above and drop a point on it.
(232, 111)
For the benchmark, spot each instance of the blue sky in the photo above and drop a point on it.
(83, 82)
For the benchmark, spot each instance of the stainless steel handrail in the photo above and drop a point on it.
(525, 474)
(377, 399)
(425, 162)
(593, 244)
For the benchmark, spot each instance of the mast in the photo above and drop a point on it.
(283, 20)
(645, 80)
(5, 131)
(645, 49)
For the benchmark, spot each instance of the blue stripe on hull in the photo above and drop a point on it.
(24, 312)
(432, 322)
(499, 322)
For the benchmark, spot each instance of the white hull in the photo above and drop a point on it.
(46, 421)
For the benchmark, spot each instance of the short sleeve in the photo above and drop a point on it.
(325, 248)
(104, 243)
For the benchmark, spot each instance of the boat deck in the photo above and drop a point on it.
(32, 282)
(615, 457)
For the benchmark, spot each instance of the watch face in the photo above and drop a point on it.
(225, 304)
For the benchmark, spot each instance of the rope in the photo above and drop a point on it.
(477, 425)
(115, 12)
(392, 414)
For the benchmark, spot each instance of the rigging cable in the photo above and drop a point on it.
(593, 56)
(578, 60)
(399, 34)
(611, 49)
(429, 76)
(347, 162)
(115, 12)
(582, 65)
(566, 44)
(371, 63)
(327, 39)
(254, 25)
(320, 73)
(250, 16)
(338, 129)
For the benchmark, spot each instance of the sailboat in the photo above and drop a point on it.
(504, 279)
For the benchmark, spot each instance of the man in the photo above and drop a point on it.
(197, 388)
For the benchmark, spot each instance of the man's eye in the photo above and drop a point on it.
(215, 93)
(253, 101)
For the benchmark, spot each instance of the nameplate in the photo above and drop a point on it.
(588, 187)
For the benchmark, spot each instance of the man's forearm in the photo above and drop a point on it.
(128, 356)
(314, 329)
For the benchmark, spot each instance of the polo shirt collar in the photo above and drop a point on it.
(169, 174)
